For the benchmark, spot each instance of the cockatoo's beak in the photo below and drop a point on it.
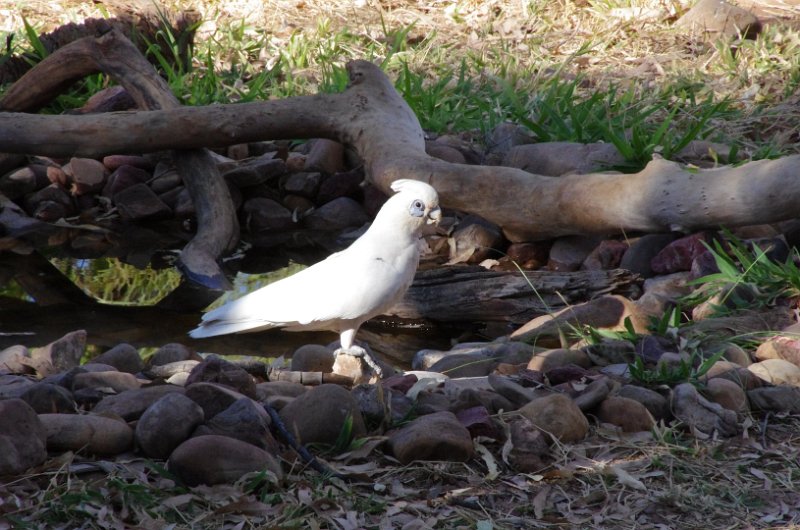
(434, 216)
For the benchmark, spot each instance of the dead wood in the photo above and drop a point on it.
(372, 117)
(113, 54)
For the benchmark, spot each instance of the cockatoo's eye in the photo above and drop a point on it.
(417, 209)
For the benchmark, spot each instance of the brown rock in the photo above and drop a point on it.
(641, 252)
(679, 254)
(213, 398)
(559, 158)
(46, 398)
(777, 372)
(336, 215)
(568, 253)
(547, 360)
(166, 424)
(326, 156)
(124, 177)
(60, 355)
(718, 17)
(474, 240)
(304, 184)
(262, 214)
(342, 184)
(255, 171)
(22, 437)
(559, 416)
(319, 415)
(657, 404)
(216, 459)
(780, 347)
(444, 152)
(138, 202)
(733, 372)
(512, 391)
(117, 381)
(173, 352)
(18, 182)
(605, 256)
(628, 414)
(728, 394)
(278, 388)
(529, 256)
(529, 447)
(595, 393)
(114, 162)
(437, 436)
(87, 176)
(94, 434)
(244, 420)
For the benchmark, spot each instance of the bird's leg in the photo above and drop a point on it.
(346, 338)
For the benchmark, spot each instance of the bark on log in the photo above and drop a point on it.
(372, 117)
(116, 56)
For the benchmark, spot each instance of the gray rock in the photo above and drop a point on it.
(568, 253)
(320, 414)
(94, 434)
(218, 459)
(444, 152)
(278, 388)
(595, 393)
(304, 184)
(438, 436)
(559, 158)
(166, 424)
(139, 203)
(13, 386)
(22, 437)
(474, 240)
(558, 416)
(60, 355)
(642, 250)
(217, 370)
(165, 371)
(49, 398)
(657, 404)
(777, 372)
(718, 17)
(326, 156)
(514, 392)
(529, 446)
(244, 420)
(338, 214)
(213, 398)
(703, 417)
(775, 399)
(123, 357)
(312, 358)
(173, 352)
(12, 360)
(131, 404)
(547, 360)
(605, 256)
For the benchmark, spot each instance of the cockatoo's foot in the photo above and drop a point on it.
(358, 351)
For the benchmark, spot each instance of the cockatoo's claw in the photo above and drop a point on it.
(358, 351)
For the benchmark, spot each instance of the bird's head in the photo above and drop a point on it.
(418, 201)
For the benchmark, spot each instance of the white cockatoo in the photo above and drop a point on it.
(346, 289)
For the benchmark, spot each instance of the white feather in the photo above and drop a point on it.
(346, 289)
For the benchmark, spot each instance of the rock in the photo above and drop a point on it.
(605, 256)
(88, 176)
(217, 370)
(558, 416)
(213, 398)
(114, 162)
(166, 424)
(124, 177)
(777, 372)
(356, 368)
(130, 404)
(478, 422)
(262, 215)
(728, 394)
(94, 434)
(139, 203)
(652, 347)
(465, 365)
(565, 374)
(173, 352)
(278, 388)
(326, 156)
(60, 355)
(595, 393)
(679, 254)
(338, 214)
(169, 370)
(255, 171)
(117, 381)
(297, 204)
(559, 158)
(216, 459)
(312, 358)
(110, 99)
(123, 357)
(733, 372)
(444, 152)
(22, 437)
(303, 184)
(320, 414)
(641, 252)
(342, 184)
(547, 360)
(671, 286)
(514, 392)
(780, 347)
(718, 17)
(13, 359)
(437, 436)
(529, 256)
(474, 240)
(626, 413)
(703, 417)
(170, 180)
(529, 446)
(244, 420)
(736, 354)
(731, 296)
(52, 194)
(775, 399)
(568, 253)
(19, 182)
(605, 312)
(655, 403)
(505, 136)
(47, 398)
(673, 361)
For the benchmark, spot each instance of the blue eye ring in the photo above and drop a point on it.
(417, 208)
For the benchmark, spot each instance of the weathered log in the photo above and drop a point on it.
(115, 55)
(372, 117)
